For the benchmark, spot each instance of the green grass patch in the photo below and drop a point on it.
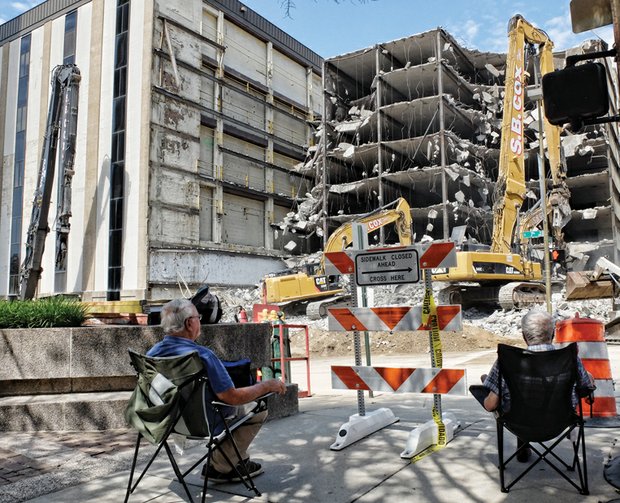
(42, 313)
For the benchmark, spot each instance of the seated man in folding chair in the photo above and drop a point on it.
(537, 328)
(181, 322)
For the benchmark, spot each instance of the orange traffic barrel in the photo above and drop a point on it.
(589, 334)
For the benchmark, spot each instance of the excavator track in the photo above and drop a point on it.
(317, 310)
(521, 295)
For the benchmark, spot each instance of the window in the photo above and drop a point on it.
(69, 45)
(117, 173)
(18, 166)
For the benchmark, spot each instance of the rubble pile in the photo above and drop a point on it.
(497, 321)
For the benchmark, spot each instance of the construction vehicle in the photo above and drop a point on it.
(602, 282)
(502, 274)
(61, 124)
(313, 284)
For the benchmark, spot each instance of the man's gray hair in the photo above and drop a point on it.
(174, 314)
(537, 327)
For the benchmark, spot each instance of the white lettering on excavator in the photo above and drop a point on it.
(516, 124)
(374, 224)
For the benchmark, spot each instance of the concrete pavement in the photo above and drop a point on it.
(299, 466)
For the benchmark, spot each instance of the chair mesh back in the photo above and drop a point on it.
(179, 369)
(541, 386)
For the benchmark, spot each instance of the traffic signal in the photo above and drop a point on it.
(557, 255)
(575, 94)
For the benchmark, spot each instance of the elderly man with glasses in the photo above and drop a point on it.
(181, 322)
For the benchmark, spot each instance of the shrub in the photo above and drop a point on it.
(42, 313)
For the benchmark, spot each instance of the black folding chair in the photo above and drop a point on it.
(171, 398)
(541, 413)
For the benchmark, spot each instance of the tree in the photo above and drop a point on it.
(289, 5)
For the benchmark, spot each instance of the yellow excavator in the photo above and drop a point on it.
(502, 274)
(314, 285)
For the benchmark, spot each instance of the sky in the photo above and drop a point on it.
(333, 27)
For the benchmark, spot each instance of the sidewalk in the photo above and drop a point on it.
(299, 466)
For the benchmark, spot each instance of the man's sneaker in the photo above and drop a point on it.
(253, 467)
(221, 478)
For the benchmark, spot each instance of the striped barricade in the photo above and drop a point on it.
(400, 380)
(391, 319)
(589, 334)
(342, 262)
(431, 256)
(434, 255)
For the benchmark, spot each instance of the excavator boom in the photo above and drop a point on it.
(502, 275)
(61, 121)
(510, 188)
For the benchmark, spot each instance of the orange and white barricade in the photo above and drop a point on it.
(589, 334)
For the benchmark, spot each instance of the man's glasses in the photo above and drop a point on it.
(199, 316)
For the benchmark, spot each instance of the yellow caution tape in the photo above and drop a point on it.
(429, 316)
(426, 452)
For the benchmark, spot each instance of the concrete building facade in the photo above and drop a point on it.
(191, 118)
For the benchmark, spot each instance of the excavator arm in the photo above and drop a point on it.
(510, 189)
(61, 121)
(397, 212)
(306, 287)
(501, 275)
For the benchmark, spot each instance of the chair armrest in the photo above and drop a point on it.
(259, 401)
(585, 391)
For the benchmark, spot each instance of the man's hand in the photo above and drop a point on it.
(277, 386)
(239, 396)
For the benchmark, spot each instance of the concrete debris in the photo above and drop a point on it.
(589, 214)
(412, 157)
(502, 323)
(492, 70)
(290, 246)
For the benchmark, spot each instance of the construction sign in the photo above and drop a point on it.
(400, 380)
(387, 267)
(391, 319)
(429, 256)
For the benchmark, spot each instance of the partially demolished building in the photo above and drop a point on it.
(421, 117)
(194, 116)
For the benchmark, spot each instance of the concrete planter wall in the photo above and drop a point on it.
(80, 378)
(62, 360)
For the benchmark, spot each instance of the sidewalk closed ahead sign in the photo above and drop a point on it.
(384, 267)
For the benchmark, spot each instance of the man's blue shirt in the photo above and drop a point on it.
(218, 376)
(178, 346)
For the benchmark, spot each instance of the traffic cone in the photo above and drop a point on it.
(243, 315)
(589, 334)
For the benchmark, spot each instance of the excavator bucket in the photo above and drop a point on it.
(580, 286)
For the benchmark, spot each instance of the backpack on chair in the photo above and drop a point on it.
(208, 305)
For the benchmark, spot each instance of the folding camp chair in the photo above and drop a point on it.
(541, 413)
(171, 398)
